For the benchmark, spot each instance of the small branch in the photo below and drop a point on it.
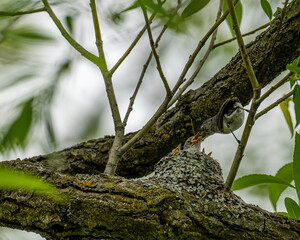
(241, 148)
(68, 37)
(197, 50)
(242, 47)
(273, 88)
(19, 13)
(132, 45)
(132, 99)
(162, 108)
(244, 35)
(159, 68)
(256, 94)
(267, 109)
(203, 60)
(99, 42)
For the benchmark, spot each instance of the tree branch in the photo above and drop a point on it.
(256, 90)
(19, 13)
(243, 35)
(99, 42)
(197, 50)
(132, 45)
(190, 204)
(153, 48)
(132, 99)
(276, 86)
(68, 37)
(270, 107)
(203, 60)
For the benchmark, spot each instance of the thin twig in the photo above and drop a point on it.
(267, 109)
(162, 108)
(132, 99)
(68, 37)
(203, 60)
(256, 94)
(99, 42)
(132, 45)
(197, 50)
(4, 13)
(156, 57)
(276, 86)
(244, 35)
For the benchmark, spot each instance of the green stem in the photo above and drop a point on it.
(68, 37)
(4, 13)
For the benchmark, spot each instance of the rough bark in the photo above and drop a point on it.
(170, 204)
(183, 200)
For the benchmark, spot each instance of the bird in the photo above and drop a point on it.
(193, 142)
(229, 118)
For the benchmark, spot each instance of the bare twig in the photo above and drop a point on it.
(244, 35)
(255, 86)
(19, 13)
(267, 109)
(114, 156)
(197, 50)
(162, 108)
(99, 42)
(203, 60)
(159, 68)
(132, 99)
(276, 86)
(68, 37)
(132, 45)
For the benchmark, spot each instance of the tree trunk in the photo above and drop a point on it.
(184, 199)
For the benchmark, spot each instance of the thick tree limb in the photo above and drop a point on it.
(183, 200)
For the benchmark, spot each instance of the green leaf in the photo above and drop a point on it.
(135, 5)
(239, 13)
(275, 190)
(267, 8)
(283, 213)
(284, 106)
(19, 129)
(296, 162)
(292, 208)
(12, 179)
(194, 7)
(296, 98)
(30, 33)
(69, 23)
(254, 179)
(294, 66)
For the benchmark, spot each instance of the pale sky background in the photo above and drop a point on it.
(270, 145)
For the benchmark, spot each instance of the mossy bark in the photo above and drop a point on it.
(113, 207)
(184, 199)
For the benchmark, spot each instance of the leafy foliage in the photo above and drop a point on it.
(275, 190)
(267, 8)
(193, 7)
(19, 129)
(239, 14)
(296, 162)
(284, 106)
(292, 208)
(254, 179)
(12, 179)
